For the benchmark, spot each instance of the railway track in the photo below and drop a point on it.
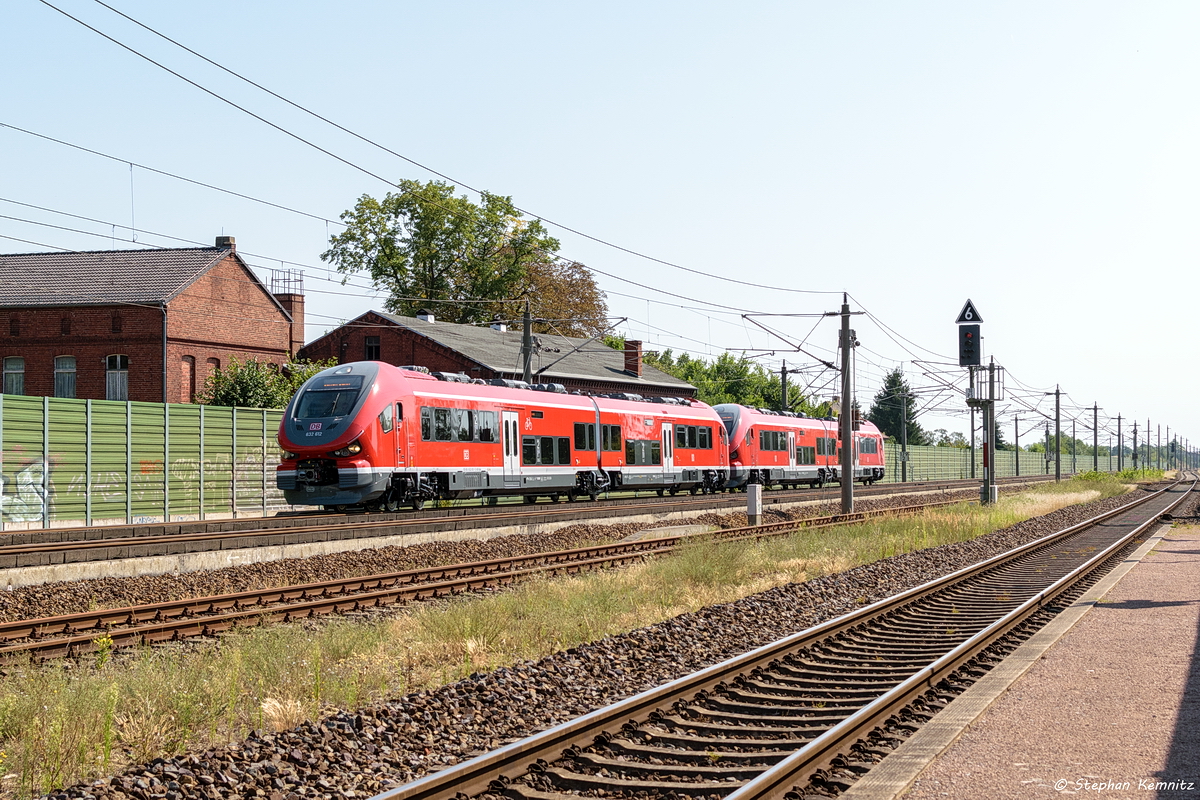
(72, 545)
(806, 715)
(74, 634)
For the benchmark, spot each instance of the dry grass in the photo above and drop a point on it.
(61, 725)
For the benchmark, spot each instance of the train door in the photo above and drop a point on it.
(511, 432)
(395, 439)
(668, 447)
(791, 447)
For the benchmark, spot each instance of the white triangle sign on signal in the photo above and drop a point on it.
(968, 315)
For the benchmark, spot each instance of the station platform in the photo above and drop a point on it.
(1103, 702)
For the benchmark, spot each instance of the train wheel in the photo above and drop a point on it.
(593, 496)
(493, 501)
(693, 490)
(554, 498)
(391, 503)
(340, 509)
(417, 504)
(530, 499)
(572, 496)
(660, 492)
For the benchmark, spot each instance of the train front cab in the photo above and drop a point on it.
(332, 433)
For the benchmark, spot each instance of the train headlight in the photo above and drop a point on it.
(290, 456)
(352, 449)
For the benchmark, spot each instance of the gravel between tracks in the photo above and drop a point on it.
(68, 597)
(353, 754)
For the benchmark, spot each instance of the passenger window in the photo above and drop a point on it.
(564, 450)
(442, 430)
(427, 424)
(465, 428)
(487, 426)
(529, 450)
(547, 450)
(612, 438)
(704, 438)
(680, 436)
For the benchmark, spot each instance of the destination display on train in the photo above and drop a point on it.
(337, 383)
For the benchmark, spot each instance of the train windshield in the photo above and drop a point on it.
(729, 414)
(330, 396)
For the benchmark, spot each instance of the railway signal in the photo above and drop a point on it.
(970, 355)
(968, 346)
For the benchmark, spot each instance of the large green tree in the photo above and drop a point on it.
(564, 299)
(427, 247)
(895, 403)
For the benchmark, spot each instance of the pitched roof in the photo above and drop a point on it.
(102, 277)
(500, 351)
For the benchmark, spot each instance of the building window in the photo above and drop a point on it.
(187, 380)
(116, 377)
(14, 375)
(371, 350)
(64, 376)
(116, 323)
(14, 326)
(65, 326)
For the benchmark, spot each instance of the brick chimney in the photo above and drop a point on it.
(633, 357)
(287, 286)
(227, 243)
(294, 305)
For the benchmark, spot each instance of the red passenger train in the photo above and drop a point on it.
(788, 449)
(368, 433)
(375, 435)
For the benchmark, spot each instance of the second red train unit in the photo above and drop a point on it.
(375, 435)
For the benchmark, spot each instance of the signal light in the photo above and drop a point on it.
(969, 351)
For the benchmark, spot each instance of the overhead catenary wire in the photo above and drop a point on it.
(401, 156)
(172, 175)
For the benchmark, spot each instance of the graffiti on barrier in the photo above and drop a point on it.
(23, 488)
(24, 496)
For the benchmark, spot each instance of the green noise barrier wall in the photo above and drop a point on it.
(927, 463)
(94, 462)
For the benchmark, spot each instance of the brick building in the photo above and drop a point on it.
(147, 325)
(495, 352)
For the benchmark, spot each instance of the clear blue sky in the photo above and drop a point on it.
(1039, 158)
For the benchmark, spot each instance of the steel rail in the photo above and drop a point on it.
(819, 754)
(156, 622)
(391, 526)
(496, 770)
